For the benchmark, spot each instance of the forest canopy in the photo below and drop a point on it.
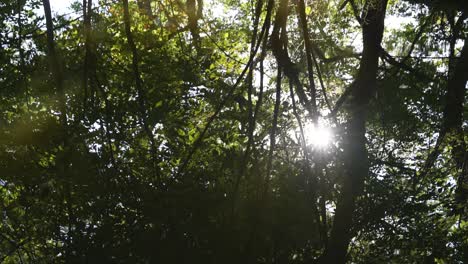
(234, 131)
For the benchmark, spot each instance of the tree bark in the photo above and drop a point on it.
(453, 124)
(309, 55)
(192, 14)
(62, 156)
(355, 152)
(54, 62)
(453, 112)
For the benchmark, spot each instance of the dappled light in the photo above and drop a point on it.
(233, 131)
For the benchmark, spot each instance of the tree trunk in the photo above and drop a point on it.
(355, 152)
(87, 12)
(54, 61)
(192, 14)
(62, 156)
(453, 124)
(145, 7)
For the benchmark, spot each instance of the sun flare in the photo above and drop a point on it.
(319, 136)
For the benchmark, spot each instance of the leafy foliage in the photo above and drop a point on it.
(177, 135)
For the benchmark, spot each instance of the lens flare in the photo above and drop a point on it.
(319, 136)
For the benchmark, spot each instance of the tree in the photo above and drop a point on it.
(233, 132)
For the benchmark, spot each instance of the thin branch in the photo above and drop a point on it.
(17, 247)
(309, 55)
(279, 49)
(356, 14)
(251, 115)
(322, 85)
(199, 139)
(416, 39)
(139, 86)
(273, 133)
(391, 60)
(339, 103)
(345, 2)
